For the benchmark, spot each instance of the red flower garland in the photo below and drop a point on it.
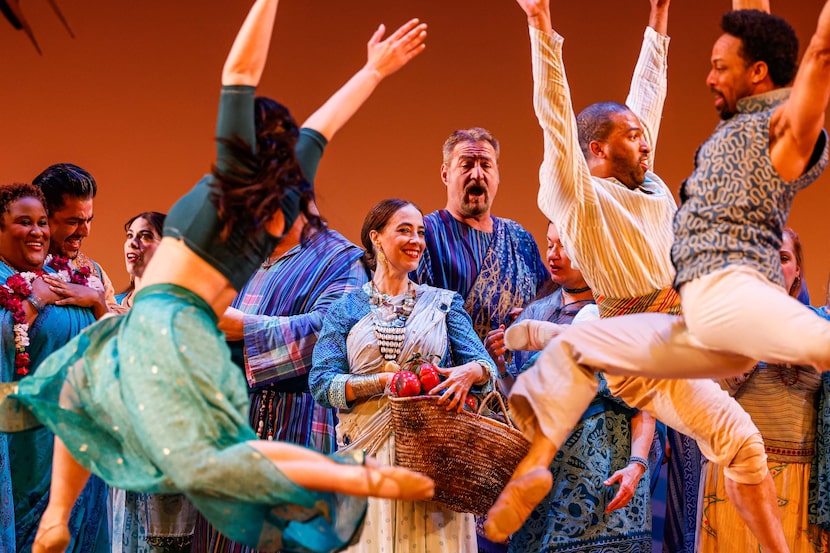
(63, 267)
(18, 287)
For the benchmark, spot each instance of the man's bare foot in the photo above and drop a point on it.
(515, 503)
(530, 335)
(53, 538)
(397, 482)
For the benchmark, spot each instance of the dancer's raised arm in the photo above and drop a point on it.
(798, 124)
(384, 57)
(246, 60)
(649, 84)
(658, 18)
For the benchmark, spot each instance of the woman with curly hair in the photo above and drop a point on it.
(32, 326)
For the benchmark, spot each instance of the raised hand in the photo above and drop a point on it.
(658, 18)
(387, 56)
(538, 13)
(383, 57)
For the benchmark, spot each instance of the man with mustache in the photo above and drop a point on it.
(69, 191)
(494, 263)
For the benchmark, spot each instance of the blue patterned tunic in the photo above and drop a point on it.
(493, 271)
(735, 205)
(572, 517)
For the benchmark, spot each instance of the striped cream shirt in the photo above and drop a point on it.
(620, 238)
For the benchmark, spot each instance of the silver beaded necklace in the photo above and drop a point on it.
(390, 320)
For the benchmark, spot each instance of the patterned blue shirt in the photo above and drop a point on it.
(456, 258)
(735, 205)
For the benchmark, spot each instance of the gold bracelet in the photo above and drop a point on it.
(365, 386)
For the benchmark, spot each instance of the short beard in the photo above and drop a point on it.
(475, 209)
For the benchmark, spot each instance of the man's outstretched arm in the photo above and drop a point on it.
(564, 178)
(649, 83)
(658, 17)
(796, 125)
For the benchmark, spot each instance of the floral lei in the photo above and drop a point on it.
(18, 288)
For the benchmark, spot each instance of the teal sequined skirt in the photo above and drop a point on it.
(150, 401)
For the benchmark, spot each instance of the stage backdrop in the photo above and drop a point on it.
(132, 98)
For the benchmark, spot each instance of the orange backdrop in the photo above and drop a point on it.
(132, 98)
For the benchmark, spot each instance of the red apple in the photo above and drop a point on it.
(471, 402)
(430, 378)
(406, 384)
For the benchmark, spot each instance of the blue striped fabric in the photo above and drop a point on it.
(285, 305)
(455, 254)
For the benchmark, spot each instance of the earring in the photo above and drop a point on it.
(381, 256)
(796, 285)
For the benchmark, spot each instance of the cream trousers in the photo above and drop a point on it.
(732, 318)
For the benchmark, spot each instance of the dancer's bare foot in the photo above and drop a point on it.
(515, 503)
(530, 335)
(51, 538)
(397, 482)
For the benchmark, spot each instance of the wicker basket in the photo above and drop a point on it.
(470, 457)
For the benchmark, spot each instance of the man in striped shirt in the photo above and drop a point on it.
(615, 219)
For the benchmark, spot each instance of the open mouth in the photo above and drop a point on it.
(475, 190)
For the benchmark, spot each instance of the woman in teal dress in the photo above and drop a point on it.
(273, 324)
(26, 457)
(151, 401)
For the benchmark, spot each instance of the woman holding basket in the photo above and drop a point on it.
(366, 337)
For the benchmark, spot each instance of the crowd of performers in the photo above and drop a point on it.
(235, 396)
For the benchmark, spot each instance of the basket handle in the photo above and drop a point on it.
(498, 396)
